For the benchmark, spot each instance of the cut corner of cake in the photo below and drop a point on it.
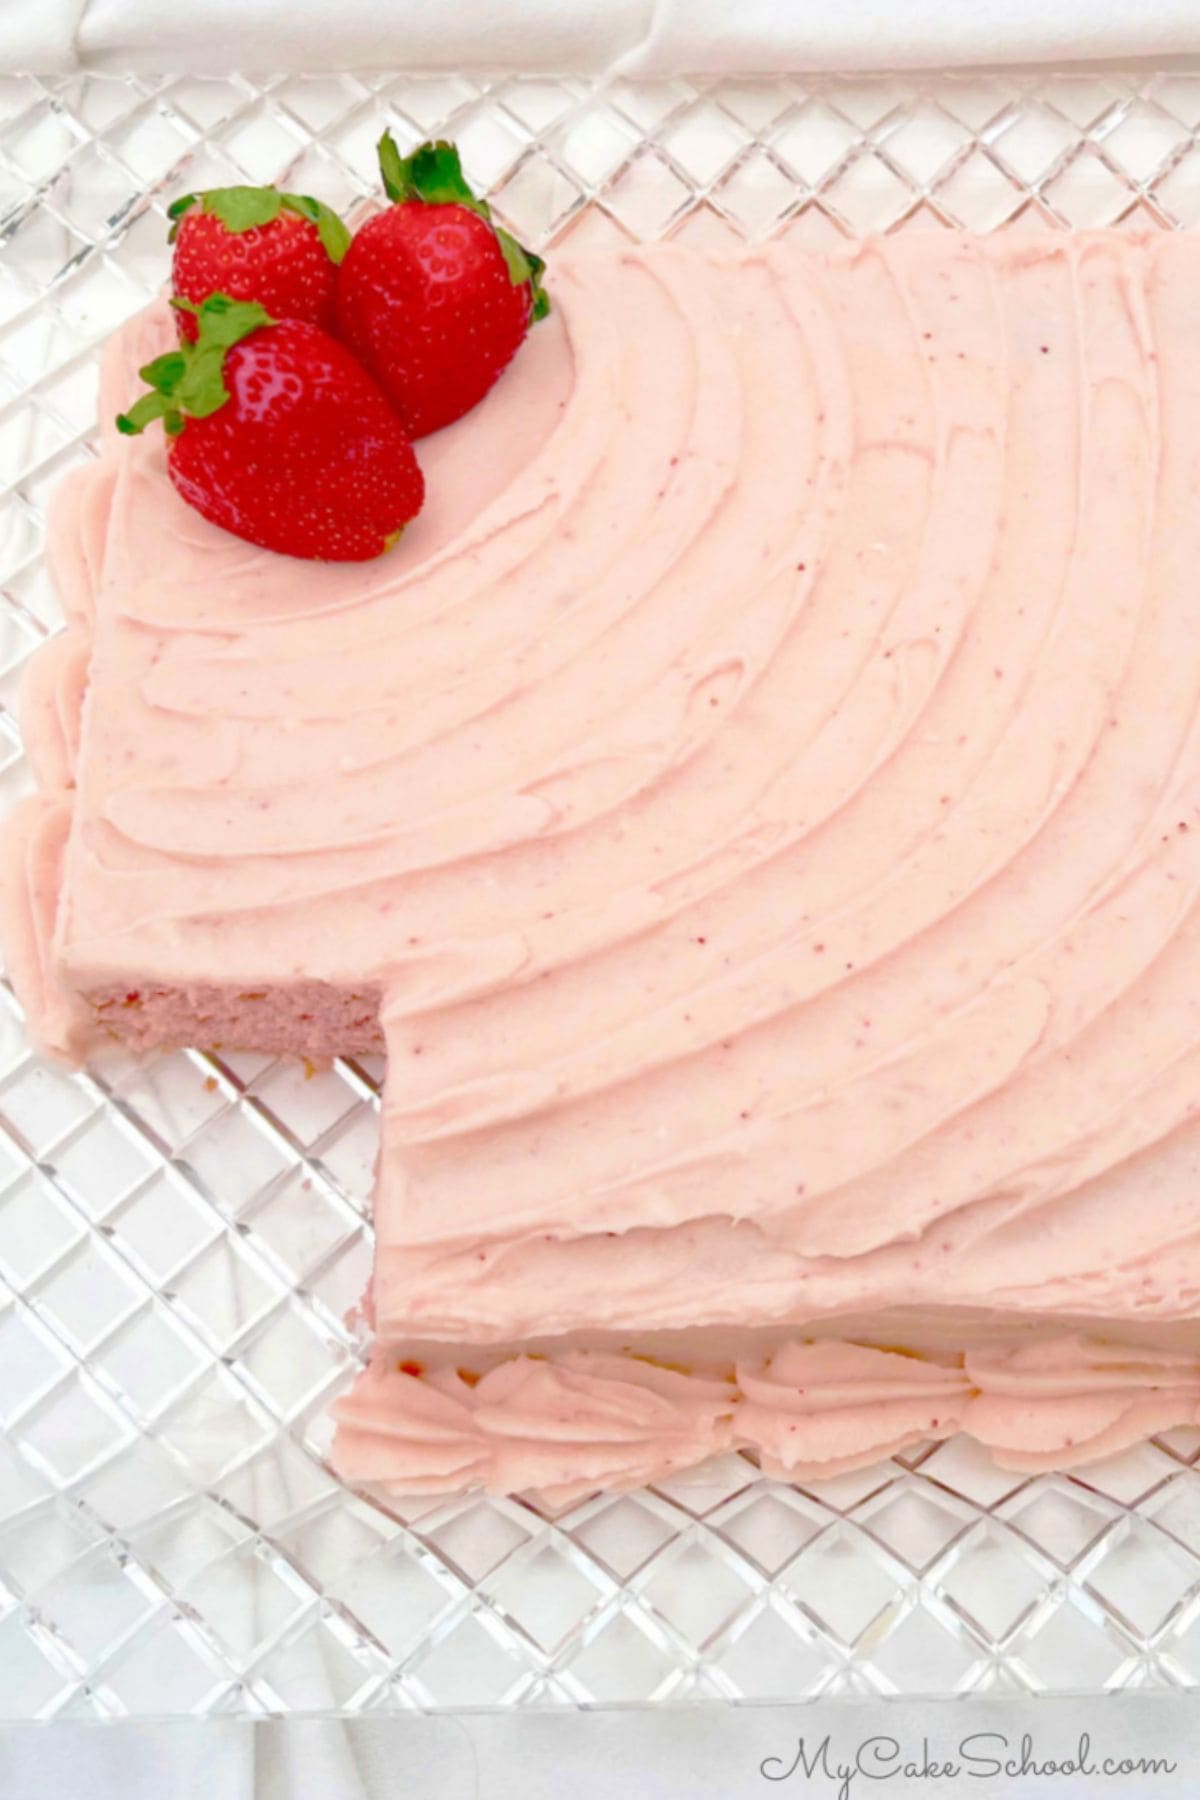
(756, 808)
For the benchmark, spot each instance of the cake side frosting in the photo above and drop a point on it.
(53, 692)
(578, 1420)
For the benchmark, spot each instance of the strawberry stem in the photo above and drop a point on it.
(432, 174)
(189, 383)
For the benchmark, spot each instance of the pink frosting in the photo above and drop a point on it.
(1070, 1402)
(854, 964)
(52, 705)
(585, 1420)
(560, 1428)
(832, 1406)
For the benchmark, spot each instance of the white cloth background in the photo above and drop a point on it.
(709, 1752)
(646, 37)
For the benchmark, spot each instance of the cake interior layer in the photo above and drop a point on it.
(311, 1019)
(561, 1421)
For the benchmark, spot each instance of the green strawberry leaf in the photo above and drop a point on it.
(391, 168)
(176, 211)
(516, 260)
(144, 412)
(523, 266)
(221, 321)
(330, 228)
(203, 392)
(189, 383)
(243, 208)
(435, 171)
(541, 299)
(167, 372)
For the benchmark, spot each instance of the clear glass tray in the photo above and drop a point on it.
(180, 1240)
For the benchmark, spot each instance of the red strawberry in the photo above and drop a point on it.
(257, 244)
(432, 297)
(277, 434)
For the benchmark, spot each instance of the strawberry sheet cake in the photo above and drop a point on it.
(756, 806)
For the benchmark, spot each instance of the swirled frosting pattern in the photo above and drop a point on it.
(858, 964)
(758, 804)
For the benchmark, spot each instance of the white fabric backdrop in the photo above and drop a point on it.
(649, 37)
(708, 1752)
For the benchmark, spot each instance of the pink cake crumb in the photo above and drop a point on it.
(310, 1019)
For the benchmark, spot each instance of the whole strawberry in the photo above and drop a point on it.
(257, 244)
(276, 434)
(431, 296)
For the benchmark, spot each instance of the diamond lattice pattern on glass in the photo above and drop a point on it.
(180, 1240)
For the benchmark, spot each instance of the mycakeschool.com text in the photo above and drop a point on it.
(844, 1771)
